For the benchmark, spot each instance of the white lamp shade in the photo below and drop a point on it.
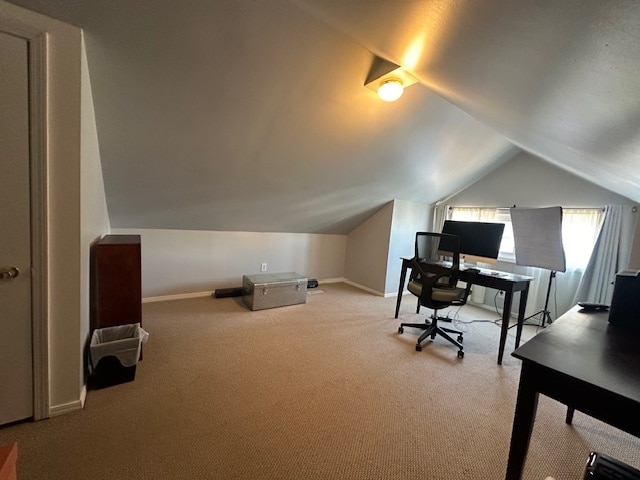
(390, 90)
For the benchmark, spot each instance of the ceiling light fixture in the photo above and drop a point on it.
(388, 79)
(390, 90)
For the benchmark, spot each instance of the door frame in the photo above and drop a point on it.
(38, 148)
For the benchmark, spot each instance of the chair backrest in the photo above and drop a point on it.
(435, 266)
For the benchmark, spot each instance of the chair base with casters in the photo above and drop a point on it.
(431, 329)
(434, 281)
(440, 297)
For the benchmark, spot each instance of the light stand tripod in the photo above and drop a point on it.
(546, 316)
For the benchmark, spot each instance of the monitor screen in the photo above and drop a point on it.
(479, 241)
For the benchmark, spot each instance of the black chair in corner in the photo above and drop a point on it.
(434, 279)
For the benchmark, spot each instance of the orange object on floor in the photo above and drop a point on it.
(8, 460)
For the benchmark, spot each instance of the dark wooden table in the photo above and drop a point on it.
(509, 283)
(585, 363)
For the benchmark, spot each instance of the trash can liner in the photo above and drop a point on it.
(122, 342)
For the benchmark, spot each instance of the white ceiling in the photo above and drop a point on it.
(252, 115)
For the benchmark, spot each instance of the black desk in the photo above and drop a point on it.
(509, 283)
(583, 362)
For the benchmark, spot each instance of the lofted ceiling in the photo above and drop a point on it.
(248, 115)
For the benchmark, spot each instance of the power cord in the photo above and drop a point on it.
(458, 322)
(499, 321)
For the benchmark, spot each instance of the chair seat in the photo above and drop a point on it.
(439, 294)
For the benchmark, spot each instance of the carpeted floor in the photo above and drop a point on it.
(324, 390)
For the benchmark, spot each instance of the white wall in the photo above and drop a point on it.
(528, 181)
(180, 262)
(408, 218)
(63, 157)
(93, 204)
(368, 249)
(186, 262)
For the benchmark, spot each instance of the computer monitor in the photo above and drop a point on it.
(479, 241)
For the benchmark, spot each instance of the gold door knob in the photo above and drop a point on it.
(9, 273)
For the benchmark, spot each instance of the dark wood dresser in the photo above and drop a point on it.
(116, 281)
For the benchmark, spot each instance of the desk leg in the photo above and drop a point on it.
(569, 418)
(506, 315)
(526, 406)
(521, 312)
(403, 275)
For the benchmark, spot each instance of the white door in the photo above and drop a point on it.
(16, 357)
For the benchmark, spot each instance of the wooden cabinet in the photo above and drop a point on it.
(116, 281)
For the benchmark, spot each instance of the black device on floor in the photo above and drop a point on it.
(603, 467)
(593, 307)
(228, 292)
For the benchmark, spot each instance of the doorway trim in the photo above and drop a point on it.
(38, 148)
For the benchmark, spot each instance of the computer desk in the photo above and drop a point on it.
(509, 283)
(582, 361)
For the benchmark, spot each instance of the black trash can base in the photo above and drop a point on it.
(110, 371)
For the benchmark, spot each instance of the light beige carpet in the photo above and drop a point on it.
(324, 390)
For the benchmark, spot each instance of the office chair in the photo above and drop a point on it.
(434, 281)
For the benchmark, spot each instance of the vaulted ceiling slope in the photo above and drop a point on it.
(250, 115)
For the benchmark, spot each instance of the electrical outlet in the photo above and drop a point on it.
(263, 267)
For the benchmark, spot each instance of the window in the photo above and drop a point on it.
(580, 227)
(492, 215)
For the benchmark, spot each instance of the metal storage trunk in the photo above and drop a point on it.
(269, 290)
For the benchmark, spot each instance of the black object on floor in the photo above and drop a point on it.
(593, 307)
(312, 283)
(228, 292)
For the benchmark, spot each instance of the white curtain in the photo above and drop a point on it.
(609, 256)
(440, 214)
(579, 232)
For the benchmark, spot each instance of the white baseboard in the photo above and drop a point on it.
(362, 287)
(69, 407)
(179, 296)
(395, 294)
(331, 280)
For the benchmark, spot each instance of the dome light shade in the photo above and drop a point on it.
(387, 79)
(390, 90)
